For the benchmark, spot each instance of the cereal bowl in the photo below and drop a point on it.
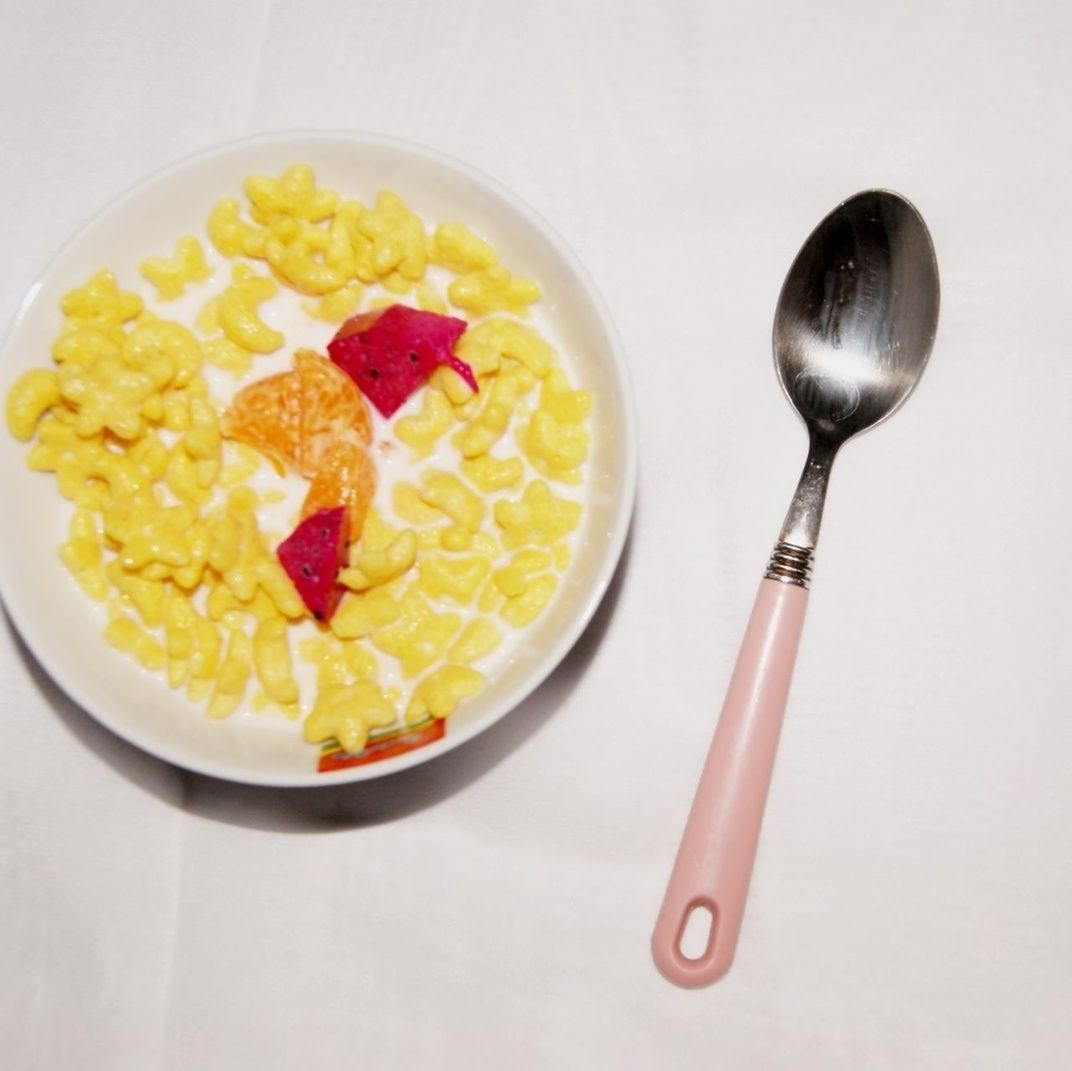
(63, 628)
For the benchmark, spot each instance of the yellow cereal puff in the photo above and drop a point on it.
(422, 430)
(492, 474)
(510, 339)
(298, 266)
(176, 414)
(221, 352)
(276, 585)
(362, 614)
(146, 596)
(182, 477)
(126, 635)
(397, 237)
(271, 658)
(492, 289)
(170, 275)
(428, 538)
(490, 599)
(485, 430)
(479, 638)
(567, 406)
(452, 385)
(440, 692)
(202, 439)
(339, 305)
(453, 578)
(31, 396)
(486, 544)
(538, 517)
(207, 321)
(239, 316)
(374, 567)
(346, 713)
(428, 298)
(179, 623)
(82, 555)
(457, 248)
(206, 650)
(409, 505)
(521, 609)
(109, 395)
(394, 282)
(232, 677)
(555, 450)
(230, 234)
(376, 534)
(338, 247)
(420, 635)
(157, 534)
(444, 491)
(338, 662)
(513, 579)
(100, 303)
(82, 344)
(455, 538)
(221, 601)
(241, 462)
(294, 193)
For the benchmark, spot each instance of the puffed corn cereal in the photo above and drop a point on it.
(346, 712)
(421, 430)
(239, 317)
(170, 275)
(271, 657)
(459, 249)
(492, 289)
(126, 635)
(538, 517)
(439, 693)
(419, 637)
(375, 567)
(479, 638)
(444, 491)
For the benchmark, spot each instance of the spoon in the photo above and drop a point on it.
(854, 327)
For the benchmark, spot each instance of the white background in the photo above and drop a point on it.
(910, 903)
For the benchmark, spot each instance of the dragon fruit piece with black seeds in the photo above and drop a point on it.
(389, 353)
(313, 554)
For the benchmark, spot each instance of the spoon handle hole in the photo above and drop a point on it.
(698, 933)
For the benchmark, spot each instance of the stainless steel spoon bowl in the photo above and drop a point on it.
(853, 330)
(854, 327)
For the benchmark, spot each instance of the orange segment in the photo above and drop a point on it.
(313, 419)
(266, 415)
(331, 408)
(346, 477)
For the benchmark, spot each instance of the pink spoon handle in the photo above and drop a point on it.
(714, 861)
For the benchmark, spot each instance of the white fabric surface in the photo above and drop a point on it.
(910, 903)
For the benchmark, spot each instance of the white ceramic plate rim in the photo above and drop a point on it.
(43, 649)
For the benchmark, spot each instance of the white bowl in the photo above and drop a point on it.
(56, 619)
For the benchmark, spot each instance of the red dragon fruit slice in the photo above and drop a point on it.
(390, 352)
(312, 555)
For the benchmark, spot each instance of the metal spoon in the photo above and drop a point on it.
(854, 327)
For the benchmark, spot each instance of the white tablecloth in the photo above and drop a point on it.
(910, 902)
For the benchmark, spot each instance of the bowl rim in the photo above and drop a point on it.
(43, 652)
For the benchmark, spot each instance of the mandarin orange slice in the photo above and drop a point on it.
(346, 477)
(332, 408)
(266, 415)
